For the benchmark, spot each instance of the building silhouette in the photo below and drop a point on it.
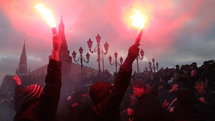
(72, 77)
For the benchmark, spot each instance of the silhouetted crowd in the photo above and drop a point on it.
(182, 93)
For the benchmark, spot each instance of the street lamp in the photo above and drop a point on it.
(157, 65)
(116, 61)
(150, 65)
(153, 66)
(99, 50)
(153, 61)
(141, 58)
(146, 68)
(81, 59)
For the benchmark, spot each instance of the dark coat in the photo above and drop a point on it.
(147, 108)
(108, 109)
(189, 113)
(44, 108)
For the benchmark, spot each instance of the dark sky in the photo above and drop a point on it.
(179, 31)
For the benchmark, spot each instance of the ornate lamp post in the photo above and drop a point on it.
(153, 66)
(146, 68)
(99, 50)
(116, 61)
(150, 65)
(157, 65)
(141, 58)
(81, 59)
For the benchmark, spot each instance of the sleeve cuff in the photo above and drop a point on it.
(56, 65)
(126, 67)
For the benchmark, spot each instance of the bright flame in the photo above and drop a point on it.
(138, 15)
(46, 14)
(138, 20)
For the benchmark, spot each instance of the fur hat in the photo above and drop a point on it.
(99, 91)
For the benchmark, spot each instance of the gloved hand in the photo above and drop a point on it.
(56, 47)
(133, 53)
(17, 80)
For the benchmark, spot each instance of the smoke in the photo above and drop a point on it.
(170, 21)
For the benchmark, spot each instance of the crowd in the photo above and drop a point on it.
(182, 93)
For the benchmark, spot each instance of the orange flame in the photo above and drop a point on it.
(138, 20)
(138, 15)
(46, 14)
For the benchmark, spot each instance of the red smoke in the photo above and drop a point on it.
(85, 19)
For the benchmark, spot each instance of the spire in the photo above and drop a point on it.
(61, 25)
(61, 32)
(22, 69)
(23, 51)
(64, 52)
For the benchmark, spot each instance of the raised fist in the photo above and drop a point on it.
(17, 80)
(56, 47)
(56, 43)
(133, 51)
(129, 111)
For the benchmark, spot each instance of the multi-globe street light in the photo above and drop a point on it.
(141, 58)
(116, 61)
(99, 50)
(81, 59)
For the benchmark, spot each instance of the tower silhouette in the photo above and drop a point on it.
(22, 68)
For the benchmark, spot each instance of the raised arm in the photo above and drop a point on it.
(121, 83)
(56, 47)
(51, 93)
(123, 77)
(19, 99)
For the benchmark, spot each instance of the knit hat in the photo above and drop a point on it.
(99, 91)
(32, 91)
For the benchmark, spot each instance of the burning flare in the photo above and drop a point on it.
(138, 20)
(46, 14)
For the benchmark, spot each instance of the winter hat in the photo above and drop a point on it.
(99, 91)
(32, 91)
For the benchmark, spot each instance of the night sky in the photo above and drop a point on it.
(179, 31)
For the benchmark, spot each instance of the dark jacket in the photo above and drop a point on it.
(108, 109)
(44, 108)
(147, 108)
(189, 113)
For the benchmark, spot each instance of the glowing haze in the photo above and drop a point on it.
(138, 20)
(175, 31)
(46, 14)
(139, 16)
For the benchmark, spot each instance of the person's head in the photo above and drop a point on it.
(138, 89)
(182, 74)
(32, 92)
(200, 86)
(193, 73)
(99, 91)
(194, 65)
(177, 67)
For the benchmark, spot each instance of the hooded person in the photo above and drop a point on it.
(33, 103)
(107, 97)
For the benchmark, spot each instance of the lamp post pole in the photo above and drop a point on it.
(153, 66)
(157, 65)
(116, 61)
(81, 59)
(141, 58)
(150, 66)
(99, 50)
